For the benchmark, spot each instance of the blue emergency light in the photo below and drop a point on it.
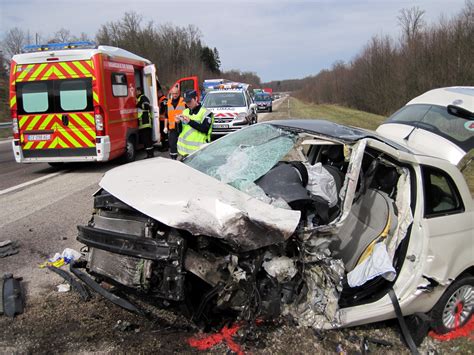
(58, 46)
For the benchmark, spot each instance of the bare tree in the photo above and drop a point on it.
(14, 41)
(411, 21)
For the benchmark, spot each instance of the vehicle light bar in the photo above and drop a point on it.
(58, 46)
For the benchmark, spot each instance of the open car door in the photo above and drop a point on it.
(188, 83)
(151, 91)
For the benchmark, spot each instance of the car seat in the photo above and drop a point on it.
(372, 217)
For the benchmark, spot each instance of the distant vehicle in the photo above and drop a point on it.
(212, 84)
(233, 108)
(264, 102)
(76, 101)
(268, 90)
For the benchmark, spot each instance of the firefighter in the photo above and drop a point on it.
(174, 107)
(162, 102)
(144, 122)
(196, 125)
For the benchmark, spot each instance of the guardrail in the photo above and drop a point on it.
(5, 125)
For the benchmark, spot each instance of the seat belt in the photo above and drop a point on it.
(403, 326)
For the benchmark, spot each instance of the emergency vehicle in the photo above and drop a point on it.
(76, 101)
(232, 105)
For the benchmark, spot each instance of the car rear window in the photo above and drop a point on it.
(73, 95)
(35, 97)
(224, 99)
(438, 120)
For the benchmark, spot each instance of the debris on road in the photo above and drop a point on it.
(8, 247)
(11, 296)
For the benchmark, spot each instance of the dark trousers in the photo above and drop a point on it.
(173, 142)
(146, 139)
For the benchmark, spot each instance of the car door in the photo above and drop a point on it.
(448, 221)
(151, 91)
(188, 83)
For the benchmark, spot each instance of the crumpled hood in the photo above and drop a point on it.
(184, 198)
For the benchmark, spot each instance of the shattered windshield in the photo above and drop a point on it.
(244, 156)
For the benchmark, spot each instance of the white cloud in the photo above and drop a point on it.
(277, 39)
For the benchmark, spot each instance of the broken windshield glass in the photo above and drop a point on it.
(244, 156)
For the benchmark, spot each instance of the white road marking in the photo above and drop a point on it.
(28, 183)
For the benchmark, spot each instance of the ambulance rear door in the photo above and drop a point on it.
(151, 91)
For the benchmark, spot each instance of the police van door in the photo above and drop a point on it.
(151, 91)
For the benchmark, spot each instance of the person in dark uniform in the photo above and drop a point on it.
(145, 123)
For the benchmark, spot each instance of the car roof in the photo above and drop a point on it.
(336, 130)
(461, 96)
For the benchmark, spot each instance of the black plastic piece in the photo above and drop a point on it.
(12, 294)
(80, 288)
(74, 268)
(125, 244)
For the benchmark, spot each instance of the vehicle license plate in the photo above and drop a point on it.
(39, 137)
(220, 125)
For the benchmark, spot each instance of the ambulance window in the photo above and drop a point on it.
(73, 95)
(35, 97)
(119, 85)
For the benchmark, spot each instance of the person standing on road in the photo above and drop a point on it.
(175, 107)
(162, 101)
(144, 122)
(196, 125)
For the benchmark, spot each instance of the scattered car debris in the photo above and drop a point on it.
(125, 326)
(8, 247)
(11, 296)
(66, 257)
(224, 336)
(63, 287)
(79, 287)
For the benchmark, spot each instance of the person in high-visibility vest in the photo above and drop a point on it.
(144, 123)
(174, 107)
(196, 125)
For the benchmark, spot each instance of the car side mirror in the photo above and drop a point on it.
(460, 112)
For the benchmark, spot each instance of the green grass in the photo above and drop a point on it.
(338, 114)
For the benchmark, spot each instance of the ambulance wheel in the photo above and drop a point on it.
(455, 307)
(130, 151)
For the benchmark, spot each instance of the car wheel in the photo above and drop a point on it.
(454, 308)
(130, 151)
(270, 109)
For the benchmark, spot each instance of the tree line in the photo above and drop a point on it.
(176, 51)
(387, 73)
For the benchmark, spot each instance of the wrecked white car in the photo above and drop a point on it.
(302, 218)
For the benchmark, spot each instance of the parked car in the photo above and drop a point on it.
(233, 109)
(304, 218)
(264, 102)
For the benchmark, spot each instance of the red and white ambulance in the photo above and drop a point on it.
(76, 102)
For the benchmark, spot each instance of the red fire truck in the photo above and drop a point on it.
(76, 102)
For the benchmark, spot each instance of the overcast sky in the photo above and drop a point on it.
(277, 39)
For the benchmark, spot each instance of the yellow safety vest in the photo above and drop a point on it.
(143, 122)
(191, 139)
(173, 112)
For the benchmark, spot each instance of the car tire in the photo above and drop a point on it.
(130, 151)
(455, 307)
(270, 109)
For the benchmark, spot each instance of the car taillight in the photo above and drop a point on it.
(99, 120)
(16, 128)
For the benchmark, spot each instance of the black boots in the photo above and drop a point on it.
(149, 153)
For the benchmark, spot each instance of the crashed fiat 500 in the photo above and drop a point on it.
(309, 220)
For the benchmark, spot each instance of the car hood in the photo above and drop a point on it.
(184, 198)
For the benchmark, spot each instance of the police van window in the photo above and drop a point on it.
(119, 85)
(73, 95)
(34, 97)
(441, 194)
